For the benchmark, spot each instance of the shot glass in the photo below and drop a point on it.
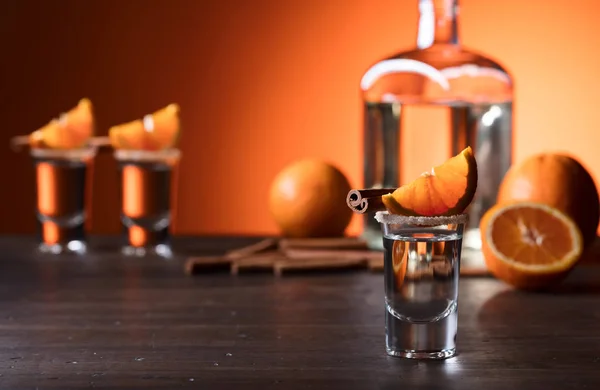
(63, 185)
(421, 272)
(146, 181)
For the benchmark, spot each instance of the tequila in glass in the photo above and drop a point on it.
(63, 184)
(146, 181)
(422, 263)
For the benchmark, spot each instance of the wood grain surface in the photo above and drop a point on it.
(106, 321)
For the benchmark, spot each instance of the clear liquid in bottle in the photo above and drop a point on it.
(426, 105)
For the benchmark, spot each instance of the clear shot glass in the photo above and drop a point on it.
(146, 187)
(421, 272)
(63, 184)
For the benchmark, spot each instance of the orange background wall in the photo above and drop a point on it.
(264, 82)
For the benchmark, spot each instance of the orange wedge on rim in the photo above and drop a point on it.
(36, 138)
(529, 245)
(131, 135)
(445, 190)
(166, 126)
(71, 131)
(156, 131)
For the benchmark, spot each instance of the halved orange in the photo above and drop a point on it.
(71, 131)
(156, 131)
(529, 245)
(445, 190)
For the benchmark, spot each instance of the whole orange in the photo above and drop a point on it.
(308, 199)
(559, 181)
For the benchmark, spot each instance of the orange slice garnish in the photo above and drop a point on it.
(529, 245)
(130, 136)
(445, 190)
(156, 131)
(166, 126)
(71, 131)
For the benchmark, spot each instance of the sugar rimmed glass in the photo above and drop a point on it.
(421, 272)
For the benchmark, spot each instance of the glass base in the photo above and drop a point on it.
(409, 354)
(421, 340)
(160, 250)
(75, 246)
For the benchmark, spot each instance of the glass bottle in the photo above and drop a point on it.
(470, 94)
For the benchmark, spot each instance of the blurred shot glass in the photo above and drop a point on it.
(147, 178)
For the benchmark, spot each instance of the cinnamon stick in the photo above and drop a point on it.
(259, 247)
(307, 254)
(367, 200)
(333, 243)
(317, 263)
(200, 264)
(197, 264)
(258, 262)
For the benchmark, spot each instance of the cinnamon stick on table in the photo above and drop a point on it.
(332, 243)
(362, 201)
(232, 258)
(253, 249)
(307, 254)
(314, 264)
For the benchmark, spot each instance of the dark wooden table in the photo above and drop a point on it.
(106, 321)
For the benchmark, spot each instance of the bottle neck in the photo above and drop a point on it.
(438, 23)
